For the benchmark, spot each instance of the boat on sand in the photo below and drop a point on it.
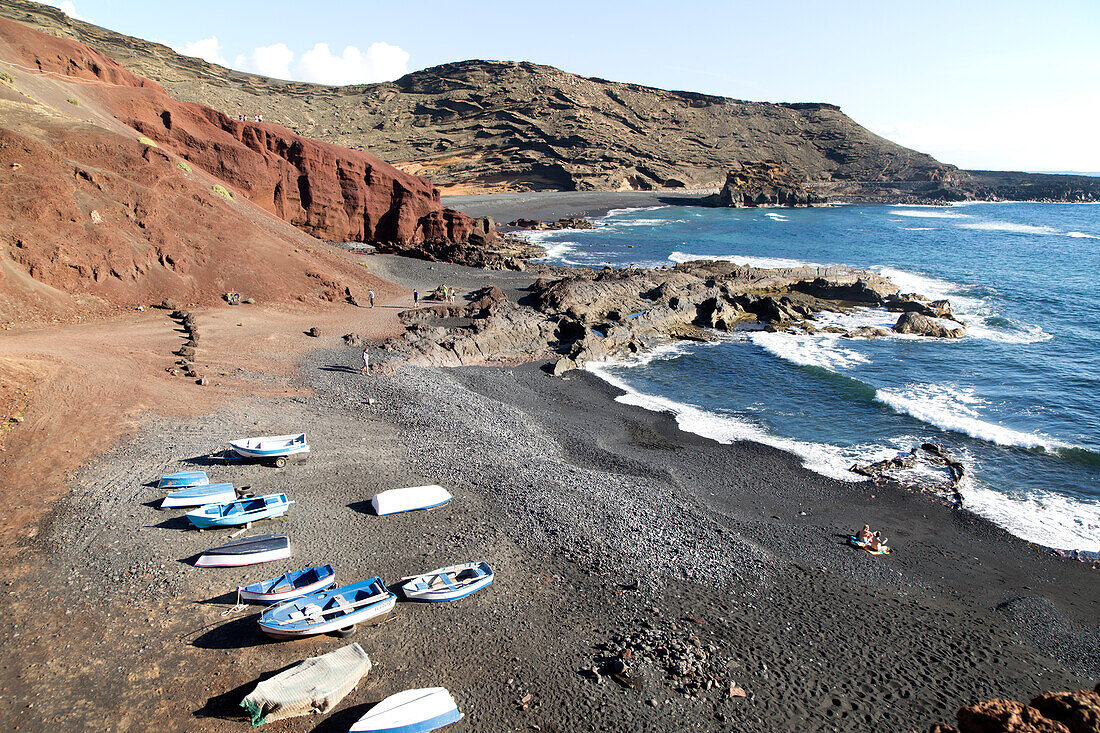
(409, 499)
(449, 583)
(411, 711)
(314, 685)
(199, 495)
(239, 511)
(335, 610)
(273, 447)
(182, 479)
(246, 551)
(289, 585)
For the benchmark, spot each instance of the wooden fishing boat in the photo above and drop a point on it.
(246, 551)
(289, 585)
(449, 583)
(409, 499)
(239, 511)
(274, 447)
(411, 711)
(199, 495)
(182, 479)
(335, 610)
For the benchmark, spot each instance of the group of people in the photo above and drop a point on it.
(246, 118)
(874, 541)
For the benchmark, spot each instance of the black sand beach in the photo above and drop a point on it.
(719, 566)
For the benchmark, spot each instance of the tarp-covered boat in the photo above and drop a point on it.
(199, 495)
(246, 551)
(409, 499)
(338, 609)
(182, 479)
(411, 711)
(239, 511)
(289, 585)
(270, 446)
(314, 685)
(448, 584)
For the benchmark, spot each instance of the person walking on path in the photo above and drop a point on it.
(416, 297)
(370, 297)
(366, 361)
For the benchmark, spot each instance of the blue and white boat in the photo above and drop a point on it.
(289, 585)
(240, 511)
(182, 479)
(270, 446)
(449, 583)
(200, 495)
(334, 610)
(246, 551)
(411, 711)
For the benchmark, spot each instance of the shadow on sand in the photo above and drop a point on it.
(341, 368)
(363, 507)
(239, 633)
(227, 706)
(342, 720)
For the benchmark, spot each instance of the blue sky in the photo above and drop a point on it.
(1000, 85)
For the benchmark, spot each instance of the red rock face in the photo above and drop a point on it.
(330, 192)
(1051, 712)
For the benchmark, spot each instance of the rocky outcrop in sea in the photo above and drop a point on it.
(764, 183)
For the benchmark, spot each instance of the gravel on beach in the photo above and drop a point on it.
(645, 576)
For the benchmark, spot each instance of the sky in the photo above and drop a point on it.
(985, 85)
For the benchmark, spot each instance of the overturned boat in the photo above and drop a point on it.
(449, 583)
(409, 499)
(199, 495)
(411, 711)
(239, 511)
(182, 479)
(246, 551)
(289, 585)
(314, 685)
(337, 610)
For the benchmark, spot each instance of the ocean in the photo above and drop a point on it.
(1016, 399)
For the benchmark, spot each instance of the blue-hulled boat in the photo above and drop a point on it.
(411, 711)
(337, 609)
(182, 479)
(200, 495)
(240, 511)
(449, 583)
(289, 585)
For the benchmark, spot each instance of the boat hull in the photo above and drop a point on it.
(373, 613)
(421, 588)
(247, 551)
(411, 711)
(183, 479)
(253, 595)
(211, 515)
(272, 446)
(201, 495)
(328, 611)
(409, 499)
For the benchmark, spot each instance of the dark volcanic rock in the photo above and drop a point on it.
(764, 183)
(914, 323)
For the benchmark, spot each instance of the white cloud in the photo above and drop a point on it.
(65, 7)
(273, 61)
(381, 62)
(208, 49)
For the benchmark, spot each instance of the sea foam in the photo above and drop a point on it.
(763, 262)
(1043, 517)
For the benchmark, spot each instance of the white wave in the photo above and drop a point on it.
(614, 224)
(559, 252)
(955, 409)
(630, 210)
(1043, 517)
(828, 460)
(917, 229)
(1006, 226)
(922, 212)
(1082, 235)
(776, 217)
(763, 262)
(818, 350)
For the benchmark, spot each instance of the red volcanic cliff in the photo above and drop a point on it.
(330, 192)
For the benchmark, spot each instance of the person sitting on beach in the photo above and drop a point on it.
(865, 534)
(878, 543)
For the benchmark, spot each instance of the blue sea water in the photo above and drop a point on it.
(1016, 398)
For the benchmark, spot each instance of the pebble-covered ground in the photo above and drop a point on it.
(647, 579)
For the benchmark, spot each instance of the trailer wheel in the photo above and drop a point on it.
(345, 632)
(280, 461)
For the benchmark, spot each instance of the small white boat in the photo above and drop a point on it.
(274, 447)
(289, 585)
(335, 610)
(246, 551)
(182, 479)
(409, 499)
(411, 711)
(239, 511)
(449, 583)
(200, 495)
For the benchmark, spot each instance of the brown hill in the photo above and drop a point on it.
(482, 125)
(94, 214)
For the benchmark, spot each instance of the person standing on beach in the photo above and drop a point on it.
(366, 361)
(370, 297)
(416, 297)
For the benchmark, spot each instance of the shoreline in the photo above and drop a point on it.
(606, 524)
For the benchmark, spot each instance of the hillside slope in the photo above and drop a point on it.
(482, 125)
